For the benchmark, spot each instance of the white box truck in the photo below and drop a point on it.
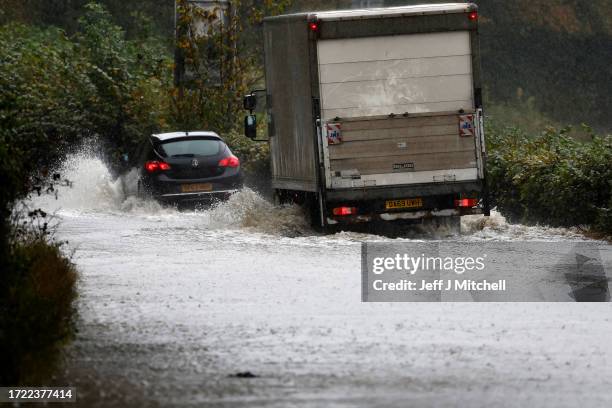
(376, 114)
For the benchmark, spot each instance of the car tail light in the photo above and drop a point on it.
(466, 203)
(473, 15)
(345, 211)
(153, 166)
(231, 161)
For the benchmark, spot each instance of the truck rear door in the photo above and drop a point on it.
(399, 110)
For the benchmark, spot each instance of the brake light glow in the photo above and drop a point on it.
(466, 203)
(473, 15)
(231, 161)
(345, 211)
(153, 166)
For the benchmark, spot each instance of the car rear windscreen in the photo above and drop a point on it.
(191, 147)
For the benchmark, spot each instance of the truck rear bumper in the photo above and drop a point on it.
(400, 192)
(405, 216)
(405, 203)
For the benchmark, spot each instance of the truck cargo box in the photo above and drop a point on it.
(375, 104)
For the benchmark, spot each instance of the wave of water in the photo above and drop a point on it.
(95, 192)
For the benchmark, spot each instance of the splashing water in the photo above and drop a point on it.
(247, 209)
(92, 189)
(496, 227)
(95, 191)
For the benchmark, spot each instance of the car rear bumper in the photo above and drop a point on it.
(203, 196)
(164, 188)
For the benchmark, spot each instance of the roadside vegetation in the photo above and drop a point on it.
(552, 177)
(56, 92)
(36, 310)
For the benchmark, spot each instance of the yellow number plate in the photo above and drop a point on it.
(403, 204)
(196, 188)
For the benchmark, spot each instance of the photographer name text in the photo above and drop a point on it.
(439, 285)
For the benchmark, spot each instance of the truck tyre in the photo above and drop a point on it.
(313, 211)
(276, 199)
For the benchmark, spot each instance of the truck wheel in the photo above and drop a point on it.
(276, 200)
(313, 212)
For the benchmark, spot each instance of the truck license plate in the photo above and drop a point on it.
(404, 204)
(196, 188)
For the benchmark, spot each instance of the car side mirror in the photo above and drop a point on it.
(250, 127)
(250, 102)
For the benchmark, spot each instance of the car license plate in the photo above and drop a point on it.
(404, 204)
(196, 188)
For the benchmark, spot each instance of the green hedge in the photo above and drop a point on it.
(551, 177)
(56, 93)
(36, 311)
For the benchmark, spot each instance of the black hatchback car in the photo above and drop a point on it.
(188, 166)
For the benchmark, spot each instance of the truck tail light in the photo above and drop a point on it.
(153, 166)
(230, 161)
(473, 15)
(466, 203)
(345, 211)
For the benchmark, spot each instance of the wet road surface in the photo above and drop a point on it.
(243, 305)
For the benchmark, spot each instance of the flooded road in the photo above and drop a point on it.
(243, 305)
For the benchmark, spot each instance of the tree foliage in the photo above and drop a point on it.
(56, 91)
(219, 61)
(551, 177)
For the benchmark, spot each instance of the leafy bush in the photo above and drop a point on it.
(56, 92)
(551, 178)
(36, 306)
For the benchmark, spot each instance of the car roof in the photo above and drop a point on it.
(163, 137)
